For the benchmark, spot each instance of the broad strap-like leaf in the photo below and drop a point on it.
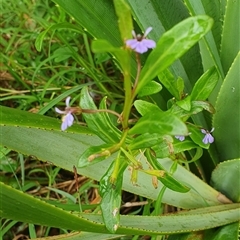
(63, 149)
(227, 118)
(230, 45)
(111, 193)
(208, 46)
(226, 179)
(33, 210)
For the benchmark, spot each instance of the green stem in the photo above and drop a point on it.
(119, 166)
(130, 92)
(137, 76)
(128, 100)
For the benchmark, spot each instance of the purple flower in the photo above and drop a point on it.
(208, 138)
(67, 119)
(140, 44)
(180, 137)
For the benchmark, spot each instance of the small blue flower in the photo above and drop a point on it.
(67, 119)
(180, 137)
(140, 44)
(208, 138)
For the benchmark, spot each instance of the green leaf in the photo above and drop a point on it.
(122, 56)
(167, 179)
(32, 210)
(196, 107)
(96, 121)
(63, 53)
(40, 136)
(185, 103)
(146, 140)
(175, 87)
(172, 45)
(102, 45)
(187, 236)
(227, 118)
(110, 191)
(144, 107)
(162, 149)
(101, 57)
(84, 236)
(99, 26)
(125, 24)
(35, 211)
(41, 36)
(205, 85)
(109, 121)
(230, 34)
(208, 47)
(159, 122)
(150, 88)
(228, 232)
(225, 178)
(94, 154)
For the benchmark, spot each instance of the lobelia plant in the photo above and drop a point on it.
(160, 139)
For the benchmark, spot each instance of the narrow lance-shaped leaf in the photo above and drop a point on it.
(41, 36)
(172, 45)
(167, 180)
(174, 86)
(94, 154)
(110, 191)
(159, 122)
(205, 85)
(144, 107)
(150, 88)
(96, 121)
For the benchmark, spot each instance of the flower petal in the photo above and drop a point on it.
(64, 126)
(69, 119)
(68, 101)
(132, 43)
(141, 48)
(204, 131)
(149, 43)
(210, 138)
(180, 138)
(205, 139)
(134, 34)
(147, 31)
(59, 111)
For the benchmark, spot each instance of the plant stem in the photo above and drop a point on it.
(138, 74)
